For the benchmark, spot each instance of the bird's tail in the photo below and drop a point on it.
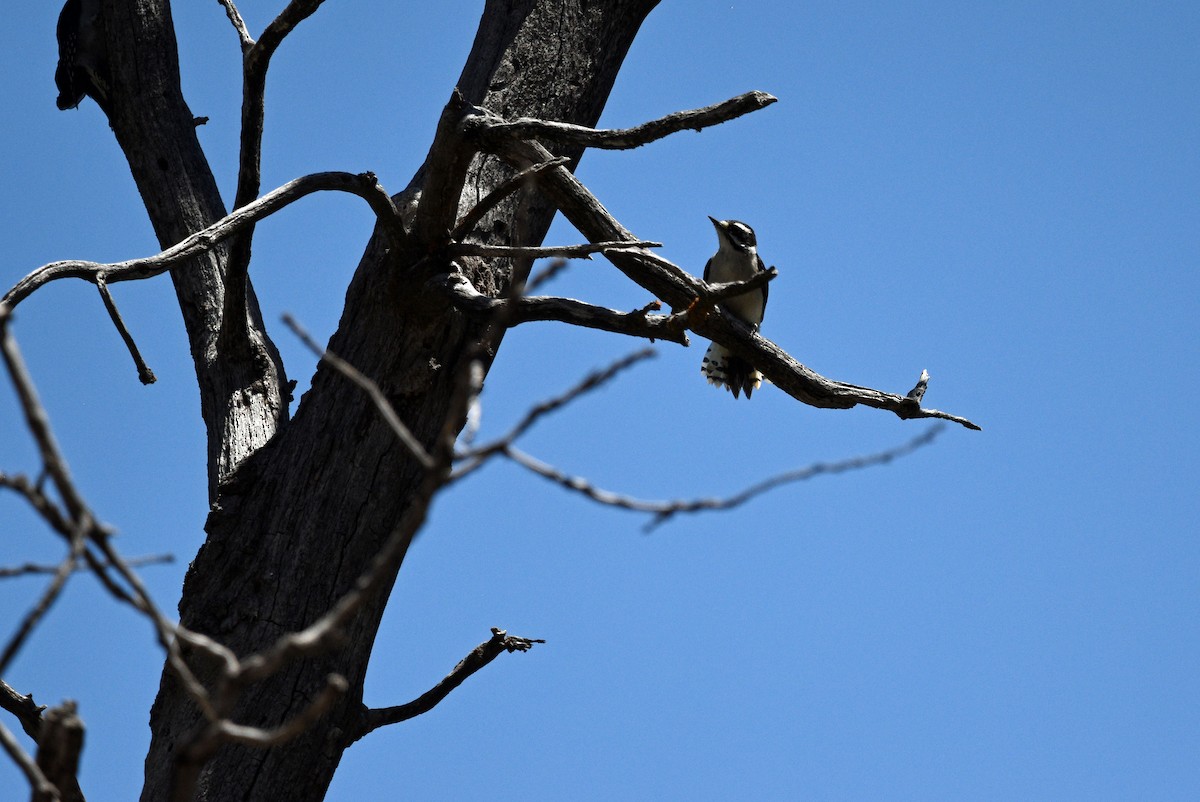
(726, 369)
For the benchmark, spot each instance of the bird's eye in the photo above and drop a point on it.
(741, 234)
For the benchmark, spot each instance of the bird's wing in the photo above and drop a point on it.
(707, 268)
(762, 268)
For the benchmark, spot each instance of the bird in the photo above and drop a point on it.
(736, 259)
(81, 58)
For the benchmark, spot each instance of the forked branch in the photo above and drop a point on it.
(256, 58)
(364, 185)
(662, 511)
(474, 458)
(681, 290)
(500, 642)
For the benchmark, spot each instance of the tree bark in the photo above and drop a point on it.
(241, 396)
(302, 506)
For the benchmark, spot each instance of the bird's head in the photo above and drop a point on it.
(735, 235)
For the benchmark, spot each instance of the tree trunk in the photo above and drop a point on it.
(302, 506)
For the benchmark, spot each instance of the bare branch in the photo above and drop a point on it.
(42, 788)
(717, 292)
(665, 510)
(296, 12)
(547, 273)
(145, 375)
(38, 422)
(167, 633)
(622, 139)
(479, 657)
(28, 712)
(493, 198)
(82, 523)
(27, 569)
(712, 294)
(43, 605)
(41, 503)
(364, 185)
(239, 24)
(476, 457)
(226, 731)
(335, 686)
(385, 408)
(562, 251)
(674, 286)
(639, 323)
(445, 173)
(57, 521)
(255, 60)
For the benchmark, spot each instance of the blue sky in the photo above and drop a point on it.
(1007, 195)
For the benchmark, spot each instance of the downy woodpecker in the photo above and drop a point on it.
(736, 259)
(81, 61)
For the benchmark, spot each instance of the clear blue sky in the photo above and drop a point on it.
(1007, 195)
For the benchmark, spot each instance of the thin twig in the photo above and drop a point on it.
(722, 291)
(638, 323)
(597, 378)
(560, 251)
(165, 631)
(53, 462)
(335, 686)
(42, 788)
(713, 294)
(662, 511)
(83, 524)
(680, 290)
(44, 603)
(493, 198)
(364, 185)
(546, 274)
(479, 657)
(226, 731)
(255, 61)
(145, 375)
(239, 24)
(27, 569)
(621, 139)
(41, 503)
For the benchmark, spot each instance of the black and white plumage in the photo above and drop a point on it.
(736, 259)
(81, 60)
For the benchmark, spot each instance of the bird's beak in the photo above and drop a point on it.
(715, 221)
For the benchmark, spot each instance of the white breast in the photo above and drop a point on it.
(730, 264)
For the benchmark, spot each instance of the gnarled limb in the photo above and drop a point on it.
(663, 511)
(625, 138)
(673, 285)
(184, 253)
(526, 309)
(28, 712)
(337, 461)
(500, 642)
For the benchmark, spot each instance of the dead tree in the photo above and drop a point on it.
(315, 512)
